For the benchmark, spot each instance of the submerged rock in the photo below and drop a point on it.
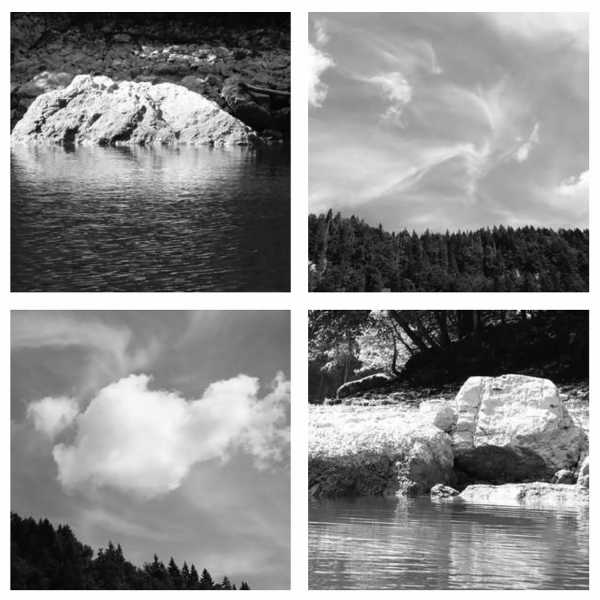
(99, 111)
(513, 428)
(534, 495)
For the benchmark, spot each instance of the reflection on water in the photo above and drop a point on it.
(125, 219)
(379, 543)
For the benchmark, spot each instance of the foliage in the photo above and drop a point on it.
(347, 255)
(437, 347)
(43, 557)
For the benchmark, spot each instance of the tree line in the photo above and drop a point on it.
(437, 347)
(44, 557)
(348, 255)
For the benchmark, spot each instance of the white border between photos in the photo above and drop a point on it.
(299, 301)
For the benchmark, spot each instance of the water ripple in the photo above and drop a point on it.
(149, 220)
(376, 543)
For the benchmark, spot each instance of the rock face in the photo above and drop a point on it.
(199, 51)
(583, 480)
(534, 495)
(441, 491)
(360, 385)
(409, 464)
(99, 111)
(564, 476)
(513, 428)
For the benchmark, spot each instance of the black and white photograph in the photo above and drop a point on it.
(448, 449)
(150, 152)
(150, 450)
(448, 152)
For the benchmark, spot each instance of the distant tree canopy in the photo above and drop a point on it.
(44, 558)
(346, 254)
(435, 347)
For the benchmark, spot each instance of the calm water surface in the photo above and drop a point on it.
(150, 220)
(377, 543)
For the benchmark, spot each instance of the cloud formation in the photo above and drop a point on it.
(485, 115)
(318, 63)
(51, 416)
(145, 442)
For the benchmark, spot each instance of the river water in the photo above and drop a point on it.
(122, 219)
(379, 543)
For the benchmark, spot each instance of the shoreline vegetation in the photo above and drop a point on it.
(223, 71)
(348, 255)
(387, 418)
(45, 557)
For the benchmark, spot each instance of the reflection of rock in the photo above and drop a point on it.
(513, 428)
(535, 495)
(441, 491)
(98, 111)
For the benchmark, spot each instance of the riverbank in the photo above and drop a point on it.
(215, 55)
(378, 446)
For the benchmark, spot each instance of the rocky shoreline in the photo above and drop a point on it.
(512, 430)
(242, 66)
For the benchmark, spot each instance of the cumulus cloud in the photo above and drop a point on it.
(145, 442)
(51, 416)
(318, 63)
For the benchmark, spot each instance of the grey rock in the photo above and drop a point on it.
(99, 111)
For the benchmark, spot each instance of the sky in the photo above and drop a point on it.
(449, 120)
(166, 432)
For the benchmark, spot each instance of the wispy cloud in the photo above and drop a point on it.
(489, 111)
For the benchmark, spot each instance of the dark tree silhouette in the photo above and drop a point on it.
(43, 557)
(346, 254)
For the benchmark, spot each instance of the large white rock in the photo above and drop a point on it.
(514, 419)
(99, 111)
(534, 495)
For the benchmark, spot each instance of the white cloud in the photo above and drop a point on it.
(575, 185)
(146, 441)
(318, 63)
(52, 415)
(321, 34)
(536, 26)
(522, 152)
(396, 89)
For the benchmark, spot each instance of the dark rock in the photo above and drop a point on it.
(564, 476)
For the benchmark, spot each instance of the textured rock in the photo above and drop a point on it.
(363, 384)
(356, 453)
(534, 495)
(513, 428)
(441, 491)
(441, 414)
(99, 111)
(565, 476)
(184, 49)
(583, 479)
